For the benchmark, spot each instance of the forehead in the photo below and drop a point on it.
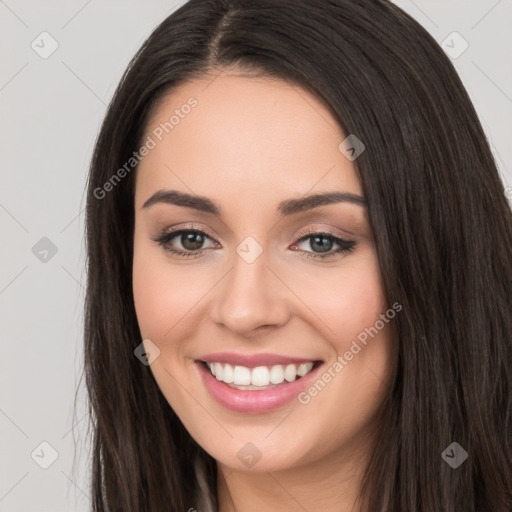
(244, 135)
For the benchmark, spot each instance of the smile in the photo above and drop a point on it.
(256, 389)
(261, 377)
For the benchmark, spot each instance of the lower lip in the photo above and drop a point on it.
(254, 401)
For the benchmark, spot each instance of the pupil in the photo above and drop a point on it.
(192, 241)
(322, 243)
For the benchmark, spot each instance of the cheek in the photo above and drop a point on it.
(355, 319)
(163, 298)
(348, 302)
(152, 298)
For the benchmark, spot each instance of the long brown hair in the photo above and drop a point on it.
(443, 235)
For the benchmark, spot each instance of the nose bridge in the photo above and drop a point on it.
(250, 296)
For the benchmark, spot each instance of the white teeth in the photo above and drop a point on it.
(228, 376)
(259, 377)
(218, 371)
(276, 374)
(242, 375)
(303, 369)
(290, 372)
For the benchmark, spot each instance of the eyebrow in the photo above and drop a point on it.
(289, 207)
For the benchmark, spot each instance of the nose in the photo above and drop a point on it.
(251, 298)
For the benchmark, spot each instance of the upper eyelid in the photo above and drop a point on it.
(319, 232)
(177, 229)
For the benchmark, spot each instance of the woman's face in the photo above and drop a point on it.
(265, 282)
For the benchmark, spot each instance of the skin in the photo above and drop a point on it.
(249, 144)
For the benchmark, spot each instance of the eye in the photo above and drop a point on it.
(321, 245)
(185, 243)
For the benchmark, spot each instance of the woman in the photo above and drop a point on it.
(299, 271)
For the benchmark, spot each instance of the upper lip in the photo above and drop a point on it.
(252, 360)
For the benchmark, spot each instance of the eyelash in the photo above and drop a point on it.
(164, 238)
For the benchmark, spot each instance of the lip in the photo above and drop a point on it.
(256, 401)
(251, 361)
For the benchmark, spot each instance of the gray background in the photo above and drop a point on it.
(51, 112)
